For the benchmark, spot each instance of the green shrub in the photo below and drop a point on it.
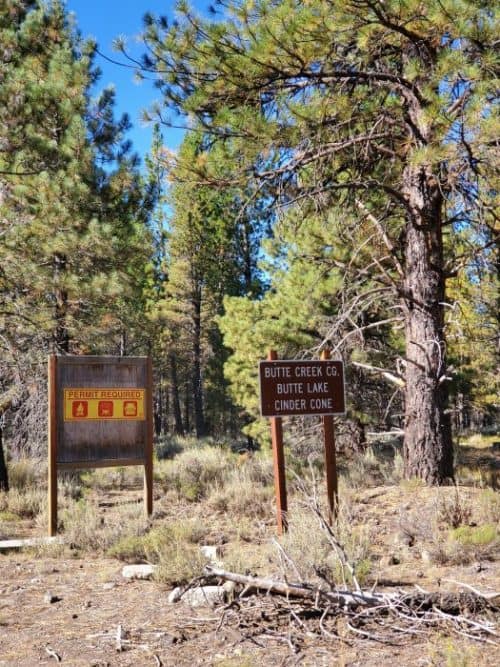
(310, 549)
(241, 496)
(196, 471)
(465, 544)
(175, 549)
(475, 535)
(130, 549)
(168, 447)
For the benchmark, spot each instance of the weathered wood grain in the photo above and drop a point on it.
(94, 441)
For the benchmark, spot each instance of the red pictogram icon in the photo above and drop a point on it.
(80, 409)
(130, 409)
(105, 409)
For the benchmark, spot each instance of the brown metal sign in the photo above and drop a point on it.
(294, 388)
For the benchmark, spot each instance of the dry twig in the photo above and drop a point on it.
(52, 654)
(379, 616)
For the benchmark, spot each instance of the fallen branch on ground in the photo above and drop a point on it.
(53, 654)
(341, 597)
(410, 613)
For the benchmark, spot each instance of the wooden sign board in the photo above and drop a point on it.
(289, 388)
(100, 415)
(295, 388)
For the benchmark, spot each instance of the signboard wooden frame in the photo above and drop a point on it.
(100, 414)
(291, 388)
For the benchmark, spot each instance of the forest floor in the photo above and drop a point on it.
(68, 602)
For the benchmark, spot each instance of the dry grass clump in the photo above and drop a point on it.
(311, 553)
(129, 548)
(250, 556)
(5, 515)
(368, 470)
(168, 447)
(257, 469)
(89, 529)
(175, 549)
(475, 536)
(481, 440)
(445, 652)
(27, 496)
(240, 484)
(104, 479)
(467, 544)
(246, 491)
(27, 473)
(465, 526)
(455, 511)
(235, 661)
(489, 506)
(240, 497)
(196, 471)
(26, 503)
(452, 552)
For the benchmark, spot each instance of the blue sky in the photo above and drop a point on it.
(106, 20)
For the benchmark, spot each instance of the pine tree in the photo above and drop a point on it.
(73, 210)
(385, 109)
(210, 253)
(317, 292)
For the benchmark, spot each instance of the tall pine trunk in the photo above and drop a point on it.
(176, 404)
(61, 333)
(4, 477)
(428, 451)
(197, 384)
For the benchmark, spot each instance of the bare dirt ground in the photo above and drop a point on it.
(93, 600)
(59, 607)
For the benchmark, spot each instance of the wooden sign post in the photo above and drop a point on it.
(298, 388)
(278, 465)
(330, 458)
(100, 415)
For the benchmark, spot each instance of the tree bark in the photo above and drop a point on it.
(247, 257)
(199, 417)
(4, 477)
(157, 412)
(176, 405)
(428, 451)
(187, 411)
(61, 333)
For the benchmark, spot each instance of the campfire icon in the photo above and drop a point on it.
(80, 409)
(130, 409)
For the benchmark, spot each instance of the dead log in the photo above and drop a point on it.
(418, 601)
(341, 598)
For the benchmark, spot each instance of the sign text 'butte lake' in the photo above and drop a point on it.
(289, 388)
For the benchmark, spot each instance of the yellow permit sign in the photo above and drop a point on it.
(103, 404)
